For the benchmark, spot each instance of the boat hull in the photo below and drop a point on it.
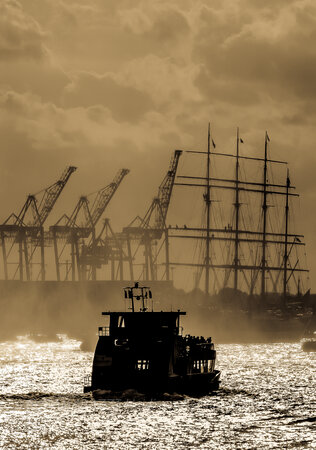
(194, 384)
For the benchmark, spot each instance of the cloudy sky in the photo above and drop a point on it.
(110, 84)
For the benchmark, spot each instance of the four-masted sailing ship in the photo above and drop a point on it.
(256, 252)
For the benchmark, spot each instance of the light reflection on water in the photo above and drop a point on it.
(267, 400)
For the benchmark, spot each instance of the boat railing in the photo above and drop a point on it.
(104, 331)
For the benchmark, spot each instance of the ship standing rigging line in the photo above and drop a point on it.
(264, 209)
(237, 206)
(208, 207)
(285, 262)
(237, 234)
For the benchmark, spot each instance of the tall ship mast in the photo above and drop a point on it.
(256, 250)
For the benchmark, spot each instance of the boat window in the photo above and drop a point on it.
(203, 366)
(142, 364)
(121, 322)
(104, 331)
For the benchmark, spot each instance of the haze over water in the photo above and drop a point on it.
(267, 399)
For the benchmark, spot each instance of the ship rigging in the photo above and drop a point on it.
(257, 271)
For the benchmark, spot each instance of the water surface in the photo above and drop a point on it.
(267, 399)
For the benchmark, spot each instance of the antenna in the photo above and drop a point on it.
(137, 292)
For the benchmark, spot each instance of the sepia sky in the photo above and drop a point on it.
(110, 84)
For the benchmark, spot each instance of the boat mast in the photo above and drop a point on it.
(237, 205)
(264, 209)
(288, 183)
(238, 235)
(208, 204)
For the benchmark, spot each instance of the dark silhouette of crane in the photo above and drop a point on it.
(69, 230)
(107, 248)
(27, 228)
(152, 226)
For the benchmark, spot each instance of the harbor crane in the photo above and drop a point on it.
(108, 248)
(27, 228)
(152, 226)
(69, 230)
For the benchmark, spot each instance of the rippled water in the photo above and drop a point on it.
(267, 400)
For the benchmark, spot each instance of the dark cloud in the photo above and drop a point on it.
(27, 65)
(40, 140)
(41, 78)
(160, 24)
(267, 54)
(126, 103)
(107, 84)
(21, 36)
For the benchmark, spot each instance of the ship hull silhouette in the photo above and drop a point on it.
(145, 351)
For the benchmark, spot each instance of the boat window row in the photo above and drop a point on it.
(142, 364)
(104, 331)
(203, 365)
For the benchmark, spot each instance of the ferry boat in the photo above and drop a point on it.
(145, 351)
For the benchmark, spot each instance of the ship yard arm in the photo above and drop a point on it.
(237, 234)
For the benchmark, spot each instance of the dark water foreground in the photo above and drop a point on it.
(267, 400)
